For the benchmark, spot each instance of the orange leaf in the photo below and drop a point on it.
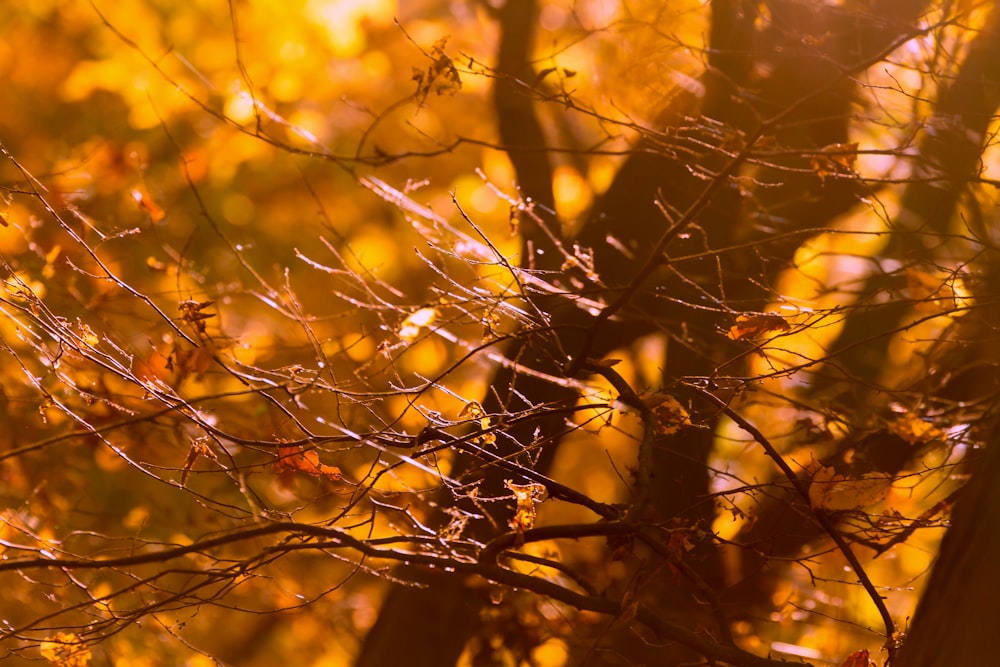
(146, 203)
(755, 326)
(835, 159)
(294, 458)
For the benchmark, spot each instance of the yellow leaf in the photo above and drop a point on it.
(916, 431)
(526, 495)
(49, 270)
(88, 336)
(66, 650)
(473, 410)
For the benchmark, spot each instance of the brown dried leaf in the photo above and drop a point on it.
(440, 77)
(198, 449)
(856, 659)
(835, 159)
(832, 491)
(670, 414)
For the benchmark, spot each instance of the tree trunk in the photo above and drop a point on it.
(959, 613)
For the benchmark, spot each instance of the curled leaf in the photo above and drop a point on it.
(473, 410)
(526, 496)
(440, 77)
(293, 458)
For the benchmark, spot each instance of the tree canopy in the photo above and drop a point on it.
(489, 333)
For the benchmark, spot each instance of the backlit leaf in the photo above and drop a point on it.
(411, 327)
(755, 326)
(146, 203)
(832, 491)
(66, 650)
(294, 458)
(835, 159)
(916, 431)
(526, 496)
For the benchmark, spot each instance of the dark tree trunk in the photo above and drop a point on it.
(959, 614)
(950, 159)
(660, 170)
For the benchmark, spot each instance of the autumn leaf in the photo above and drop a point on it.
(440, 77)
(755, 326)
(474, 410)
(293, 458)
(88, 336)
(199, 448)
(49, 270)
(856, 659)
(66, 650)
(670, 414)
(193, 312)
(491, 323)
(146, 203)
(832, 491)
(916, 431)
(525, 495)
(154, 264)
(195, 360)
(835, 159)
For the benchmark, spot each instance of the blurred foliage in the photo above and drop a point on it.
(256, 253)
